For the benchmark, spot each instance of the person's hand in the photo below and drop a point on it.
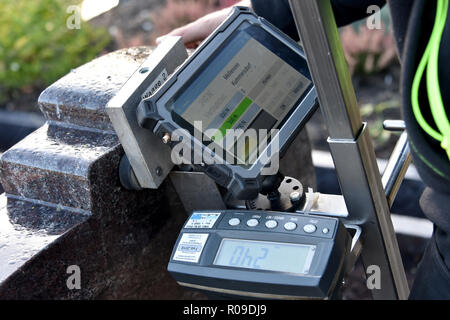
(195, 32)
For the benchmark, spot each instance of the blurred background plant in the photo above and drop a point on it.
(368, 51)
(372, 59)
(37, 48)
(375, 114)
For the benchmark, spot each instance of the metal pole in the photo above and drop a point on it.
(399, 161)
(396, 168)
(350, 145)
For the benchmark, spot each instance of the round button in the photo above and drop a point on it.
(325, 230)
(270, 224)
(309, 228)
(252, 222)
(289, 226)
(234, 222)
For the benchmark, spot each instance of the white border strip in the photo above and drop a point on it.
(411, 226)
(324, 159)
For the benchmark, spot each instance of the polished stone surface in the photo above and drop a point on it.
(122, 254)
(81, 96)
(18, 243)
(54, 163)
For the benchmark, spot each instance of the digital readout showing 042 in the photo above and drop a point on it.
(242, 257)
(264, 255)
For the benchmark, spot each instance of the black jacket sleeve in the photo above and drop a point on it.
(278, 12)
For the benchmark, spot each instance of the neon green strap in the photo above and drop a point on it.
(430, 61)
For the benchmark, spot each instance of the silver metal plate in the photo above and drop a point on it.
(149, 157)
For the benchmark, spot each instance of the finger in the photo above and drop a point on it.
(186, 32)
(191, 33)
(160, 39)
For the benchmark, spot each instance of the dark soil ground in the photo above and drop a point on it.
(411, 249)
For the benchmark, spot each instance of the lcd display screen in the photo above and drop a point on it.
(253, 82)
(263, 255)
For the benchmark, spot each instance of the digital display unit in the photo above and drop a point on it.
(238, 101)
(260, 254)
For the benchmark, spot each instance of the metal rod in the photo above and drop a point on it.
(350, 145)
(394, 125)
(396, 168)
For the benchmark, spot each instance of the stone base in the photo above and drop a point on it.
(120, 256)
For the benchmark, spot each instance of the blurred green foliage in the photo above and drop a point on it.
(375, 116)
(37, 47)
(369, 51)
